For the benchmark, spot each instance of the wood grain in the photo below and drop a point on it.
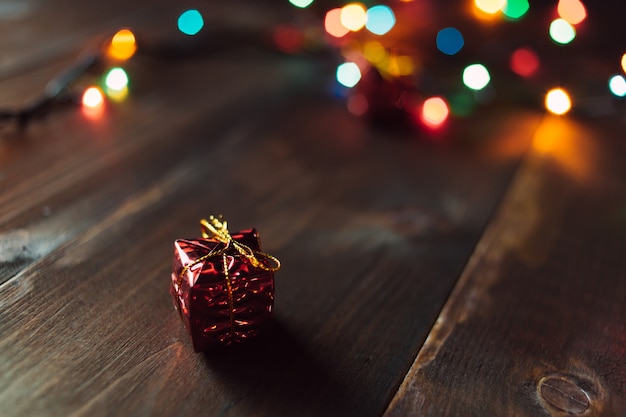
(373, 228)
(536, 324)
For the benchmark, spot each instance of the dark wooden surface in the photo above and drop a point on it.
(512, 222)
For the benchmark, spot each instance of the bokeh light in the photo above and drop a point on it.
(348, 74)
(490, 6)
(374, 52)
(353, 16)
(380, 19)
(450, 40)
(617, 85)
(558, 101)
(357, 104)
(476, 76)
(624, 62)
(123, 45)
(515, 9)
(400, 66)
(190, 22)
(435, 111)
(288, 38)
(561, 31)
(572, 11)
(332, 24)
(301, 3)
(116, 79)
(524, 61)
(92, 98)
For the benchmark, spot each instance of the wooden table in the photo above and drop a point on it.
(476, 272)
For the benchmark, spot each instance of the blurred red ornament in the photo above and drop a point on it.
(385, 99)
(288, 38)
(222, 286)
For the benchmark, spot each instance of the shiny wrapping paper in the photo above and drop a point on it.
(220, 308)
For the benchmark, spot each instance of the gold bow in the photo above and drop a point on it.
(217, 229)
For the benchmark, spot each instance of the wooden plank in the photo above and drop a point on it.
(371, 249)
(535, 326)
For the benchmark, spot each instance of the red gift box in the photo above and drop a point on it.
(223, 288)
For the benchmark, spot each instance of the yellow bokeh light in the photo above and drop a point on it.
(353, 16)
(558, 101)
(490, 6)
(573, 11)
(400, 66)
(624, 62)
(122, 46)
(374, 52)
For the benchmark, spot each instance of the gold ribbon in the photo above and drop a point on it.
(219, 230)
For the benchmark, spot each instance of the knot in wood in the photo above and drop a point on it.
(562, 393)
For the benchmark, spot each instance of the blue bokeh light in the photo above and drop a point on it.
(190, 22)
(380, 20)
(450, 41)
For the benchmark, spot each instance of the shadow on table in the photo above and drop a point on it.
(277, 375)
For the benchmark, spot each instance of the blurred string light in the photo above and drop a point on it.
(400, 66)
(617, 85)
(524, 62)
(190, 22)
(348, 74)
(476, 76)
(379, 19)
(561, 31)
(557, 101)
(332, 24)
(353, 16)
(92, 98)
(288, 38)
(122, 45)
(515, 9)
(572, 11)
(301, 3)
(116, 79)
(116, 84)
(435, 112)
(489, 6)
(449, 41)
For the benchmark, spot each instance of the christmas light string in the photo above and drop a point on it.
(373, 77)
(381, 69)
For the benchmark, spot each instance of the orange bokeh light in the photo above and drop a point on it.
(332, 24)
(435, 112)
(123, 45)
(572, 11)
